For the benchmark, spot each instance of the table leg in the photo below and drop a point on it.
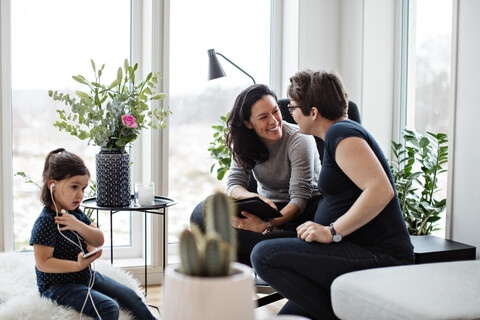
(164, 239)
(145, 218)
(111, 237)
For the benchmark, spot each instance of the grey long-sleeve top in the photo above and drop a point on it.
(291, 172)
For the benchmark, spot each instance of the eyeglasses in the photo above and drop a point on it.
(291, 108)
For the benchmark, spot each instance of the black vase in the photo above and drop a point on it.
(113, 178)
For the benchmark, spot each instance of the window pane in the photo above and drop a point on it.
(429, 84)
(51, 41)
(433, 43)
(239, 30)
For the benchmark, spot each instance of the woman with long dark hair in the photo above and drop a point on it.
(284, 162)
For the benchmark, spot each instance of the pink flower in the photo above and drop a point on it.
(129, 121)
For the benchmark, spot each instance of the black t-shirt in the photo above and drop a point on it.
(45, 232)
(387, 232)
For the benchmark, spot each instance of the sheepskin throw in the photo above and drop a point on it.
(19, 297)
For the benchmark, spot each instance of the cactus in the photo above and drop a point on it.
(210, 254)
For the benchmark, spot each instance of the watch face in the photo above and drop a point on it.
(337, 238)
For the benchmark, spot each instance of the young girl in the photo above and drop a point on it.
(61, 236)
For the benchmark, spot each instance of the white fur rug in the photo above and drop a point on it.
(19, 296)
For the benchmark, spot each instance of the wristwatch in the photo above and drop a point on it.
(336, 237)
(269, 227)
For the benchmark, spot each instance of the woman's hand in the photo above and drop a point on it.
(311, 231)
(250, 222)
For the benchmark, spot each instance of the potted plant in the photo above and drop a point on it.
(111, 116)
(416, 167)
(207, 282)
(218, 148)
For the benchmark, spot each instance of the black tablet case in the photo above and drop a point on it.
(257, 207)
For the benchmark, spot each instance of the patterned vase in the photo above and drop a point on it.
(113, 178)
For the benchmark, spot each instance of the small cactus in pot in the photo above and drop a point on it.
(210, 254)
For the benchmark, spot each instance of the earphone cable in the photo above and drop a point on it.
(79, 245)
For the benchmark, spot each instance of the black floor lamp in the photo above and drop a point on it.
(215, 69)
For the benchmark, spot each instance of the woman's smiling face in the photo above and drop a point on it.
(266, 120)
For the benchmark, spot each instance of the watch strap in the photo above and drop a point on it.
(269, 227)
(335, 236)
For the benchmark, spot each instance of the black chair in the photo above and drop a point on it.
(261, 286)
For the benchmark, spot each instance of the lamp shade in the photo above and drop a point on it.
(215, 69)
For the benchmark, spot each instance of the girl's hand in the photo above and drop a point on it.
(67, 222)
(250, 222)
(85, 262)
(311, 231)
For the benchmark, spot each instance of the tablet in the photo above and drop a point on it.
(257, 207)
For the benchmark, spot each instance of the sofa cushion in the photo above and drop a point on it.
(449, 290)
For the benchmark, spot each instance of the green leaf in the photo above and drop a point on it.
(80, 79)
(114, 84)
(159, 96)
(82, 95)
(120, 75)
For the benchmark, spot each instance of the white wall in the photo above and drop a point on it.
(351, 48)
(465, 182)
(378, 72)
(357, 39)
(319, 34)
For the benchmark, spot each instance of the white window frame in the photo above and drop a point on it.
(6, 171)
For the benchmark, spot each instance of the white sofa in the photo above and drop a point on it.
(447, 290)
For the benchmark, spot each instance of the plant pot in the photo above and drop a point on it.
(113, 178)
(191, 298)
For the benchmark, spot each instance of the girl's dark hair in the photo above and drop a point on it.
(60, 164)
(246, 147)
(321, 89)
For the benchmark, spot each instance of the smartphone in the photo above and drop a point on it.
(86, 255)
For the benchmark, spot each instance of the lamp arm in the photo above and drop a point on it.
(235, 66)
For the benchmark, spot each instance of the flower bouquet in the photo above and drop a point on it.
(111, 116)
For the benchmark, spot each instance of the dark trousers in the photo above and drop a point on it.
(303, 271)
(246, 239)
(107, 294)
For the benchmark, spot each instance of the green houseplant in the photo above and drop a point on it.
(111, 115)
(219, 149)
(207, 281)
(416, 167)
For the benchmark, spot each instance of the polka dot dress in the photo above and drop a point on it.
(45, 232)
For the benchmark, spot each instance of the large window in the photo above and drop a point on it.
(51, 41)
(241, 32)
(429, 65)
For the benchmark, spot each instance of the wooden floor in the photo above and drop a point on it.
(155, 294)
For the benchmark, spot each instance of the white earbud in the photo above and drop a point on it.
(63, 211)
(51, 186)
